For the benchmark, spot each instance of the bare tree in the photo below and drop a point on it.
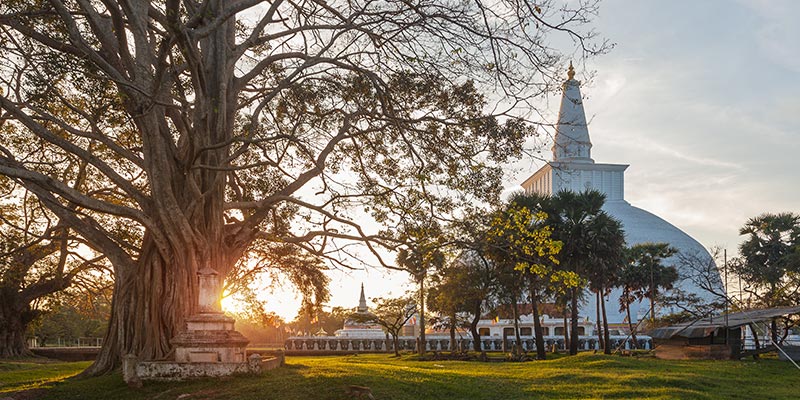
(391, 314)
(200, 127)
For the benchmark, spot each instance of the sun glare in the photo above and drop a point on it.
(284, 303)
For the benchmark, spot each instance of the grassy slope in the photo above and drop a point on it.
(584, 376)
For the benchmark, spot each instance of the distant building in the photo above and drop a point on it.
(354, 328)
(552, 321)
(357, 336)
(574, 169)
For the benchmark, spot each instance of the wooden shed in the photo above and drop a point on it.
(717, 337)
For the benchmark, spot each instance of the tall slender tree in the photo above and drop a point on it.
(448, 297)
(645, 273)
(572, 225)
(544, 278)
(607, 240)
(421, 256)
(391, 314)
(521, 247)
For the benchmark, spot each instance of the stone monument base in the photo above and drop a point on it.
(209, 347)
(178, 371)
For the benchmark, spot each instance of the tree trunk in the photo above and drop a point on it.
(14, 322)
(541, 352)
(756, 341)
(630, 326)
(606, 335)
(473, 327)
(453, 332)
(653, 306)
(566, 328)
(599, 322)
(422, 343)
(148, 309)
(573, 335)
(773, 327)
(517, 349)
(396, 344)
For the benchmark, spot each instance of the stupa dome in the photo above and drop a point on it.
(573, 169)
(642, 226)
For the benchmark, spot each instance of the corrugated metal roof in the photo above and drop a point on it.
(706, 326)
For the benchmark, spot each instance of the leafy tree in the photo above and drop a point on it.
(266, 329)
(448, 297)
(769, 264)
(80, 311)
(392, 314)
(478, 277)
(706, 274)
(643, 274)
(204, 126)
(330, 321)
(334, 319)
(521, 247)
(422, 255)
(279, 265)
(38, 258)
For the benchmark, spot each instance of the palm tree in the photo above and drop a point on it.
(607, 240)
(573, 221)
(770, 254)
(522, 248)
(643, 273)
(633, 281)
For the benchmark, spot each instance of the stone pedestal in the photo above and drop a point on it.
(209, 346)
(210, 338)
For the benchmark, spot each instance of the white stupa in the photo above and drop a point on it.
(574, 169)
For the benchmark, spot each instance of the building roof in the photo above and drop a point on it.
(362, 301)
(572, 135)
(706, 326)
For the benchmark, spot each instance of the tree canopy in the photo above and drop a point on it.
(769, 263)
(171, 135)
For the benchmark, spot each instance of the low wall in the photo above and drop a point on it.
(67, 353)
(337, 345)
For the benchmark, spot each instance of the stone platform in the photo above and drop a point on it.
(177, 371)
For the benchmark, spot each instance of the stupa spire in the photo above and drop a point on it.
(362, 301)
(572, 142)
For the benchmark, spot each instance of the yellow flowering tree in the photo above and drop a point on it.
(522, 246)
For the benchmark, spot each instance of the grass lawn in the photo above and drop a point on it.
(583, 376)
(35, 373)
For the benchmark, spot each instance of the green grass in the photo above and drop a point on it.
(583, 376)
(35, 373)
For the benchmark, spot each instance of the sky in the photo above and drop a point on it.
(701, 98)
